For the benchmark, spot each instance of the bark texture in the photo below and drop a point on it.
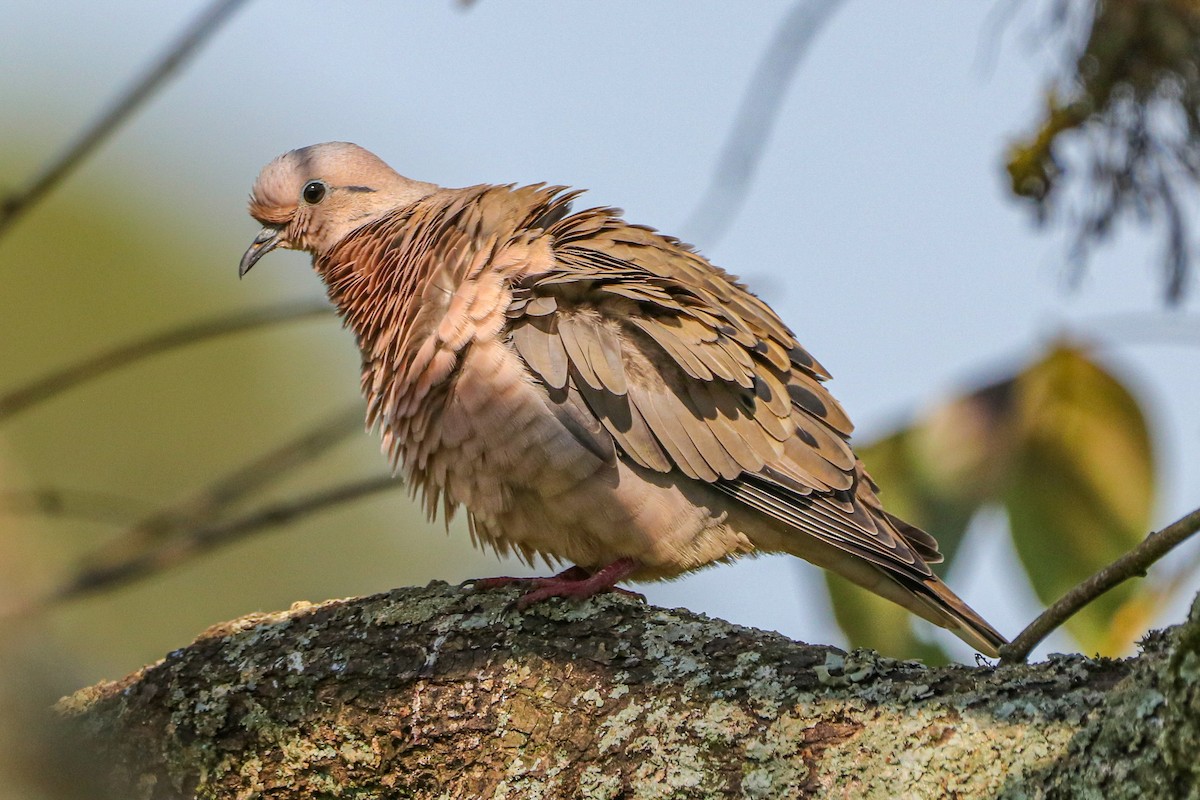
(442, 692)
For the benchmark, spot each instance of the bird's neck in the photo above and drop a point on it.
(394, 279)
(374, 279)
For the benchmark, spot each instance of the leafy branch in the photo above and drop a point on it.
(1132, 564)
(1120, 135)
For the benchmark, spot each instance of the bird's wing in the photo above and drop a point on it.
(688, 371)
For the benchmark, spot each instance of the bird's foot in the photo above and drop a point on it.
(504, 581)
(575, 582)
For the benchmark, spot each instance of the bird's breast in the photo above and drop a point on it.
(480, 430)
(490, 438)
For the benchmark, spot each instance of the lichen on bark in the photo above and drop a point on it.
(443, 692)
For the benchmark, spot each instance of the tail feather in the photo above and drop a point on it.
(949, 611)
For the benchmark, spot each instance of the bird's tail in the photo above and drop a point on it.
(948, 610)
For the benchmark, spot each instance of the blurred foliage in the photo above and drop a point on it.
(1129, 112)
(1080, 489)
(1062, 447)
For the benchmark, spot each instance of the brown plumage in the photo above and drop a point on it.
(590, 390)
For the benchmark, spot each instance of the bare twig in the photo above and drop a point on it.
(17, 203)
(1178, 257)
(210, 502)
(1132, 564)
(755, 118)
(57, 382)
(91, 506)
(200, 540)
(991, 35)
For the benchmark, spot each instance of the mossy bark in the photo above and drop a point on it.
(442, 692)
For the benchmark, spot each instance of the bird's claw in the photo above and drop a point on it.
(575, 582)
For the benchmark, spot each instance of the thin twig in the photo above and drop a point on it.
(1132, 564)
(17, 203)
(74, 504)
(210, 502)
(991, 35)
(755, 117)
(95, 366)
(200, 540)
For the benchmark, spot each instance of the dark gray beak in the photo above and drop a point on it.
(266, 241)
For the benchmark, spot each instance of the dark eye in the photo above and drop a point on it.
(314, 192)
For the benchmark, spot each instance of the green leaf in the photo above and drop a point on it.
(1082, 486)
(1063, 446)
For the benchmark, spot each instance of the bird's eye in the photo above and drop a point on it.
(314, 192)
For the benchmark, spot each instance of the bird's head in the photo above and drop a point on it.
(311, 198)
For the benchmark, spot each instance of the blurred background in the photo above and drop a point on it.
(879, 221)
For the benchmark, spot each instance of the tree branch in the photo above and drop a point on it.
(96, 366)
(191, 543)
(84, 505)
(168, 537)
(17, 203)
(1132, 564)
(444, 692)
(211, 501)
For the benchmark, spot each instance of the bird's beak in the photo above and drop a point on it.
(266, 241)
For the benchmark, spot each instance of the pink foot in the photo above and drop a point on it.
(575, 582)
(487, 584)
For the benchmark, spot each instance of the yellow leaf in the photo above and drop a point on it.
(1133, 618)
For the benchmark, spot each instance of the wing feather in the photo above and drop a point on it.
(575, 351)
(665, 337)
(670, 434)
(543, 351)
(687, 371)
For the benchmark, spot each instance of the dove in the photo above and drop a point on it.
(591, 391)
